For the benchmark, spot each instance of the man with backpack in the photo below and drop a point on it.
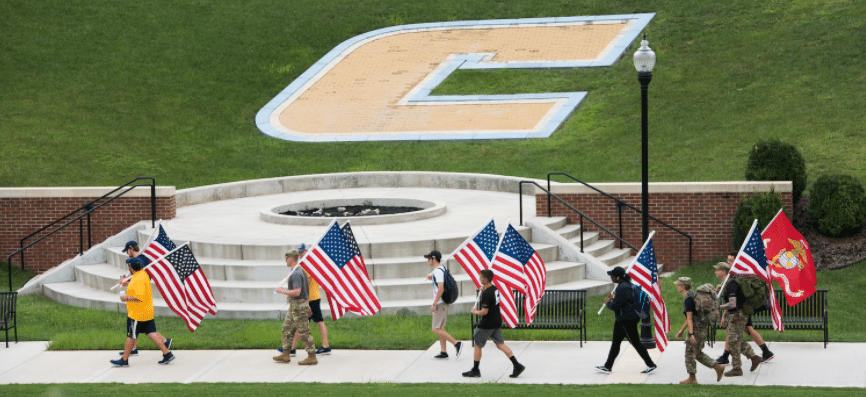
(439, 308)
(735, 319)
(624, 301)
(766, 354)
(700, 308)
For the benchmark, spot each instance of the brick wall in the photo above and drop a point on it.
(26, 210)
(705, 211)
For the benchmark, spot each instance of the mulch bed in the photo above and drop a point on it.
(828, 252)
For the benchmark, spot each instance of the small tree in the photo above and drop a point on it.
(761, 206)
(837, 205)
(774, 160)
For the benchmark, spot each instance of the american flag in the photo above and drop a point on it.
(752, 259)
(518, 266)
(645, 272)
(179, 279)
(336, 265)
(475, 255)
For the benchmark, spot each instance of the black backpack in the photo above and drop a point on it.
(451, 291)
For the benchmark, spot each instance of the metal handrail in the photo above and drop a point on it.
(549, 194)
(88, 209)
(619, 205)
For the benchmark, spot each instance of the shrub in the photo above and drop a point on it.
(837, 205)
(761, 206)
(774, 160)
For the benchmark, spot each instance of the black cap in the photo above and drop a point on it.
(616, 272)
(434, 254)
(134, 263)
(130, 244)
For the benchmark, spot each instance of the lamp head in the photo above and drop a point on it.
(644, 57)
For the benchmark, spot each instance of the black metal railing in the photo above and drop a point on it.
(582, 215)
(85, 211)
(619, 206)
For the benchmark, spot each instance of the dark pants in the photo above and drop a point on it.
(627, 329)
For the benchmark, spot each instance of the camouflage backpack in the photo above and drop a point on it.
(706, 305)
(755, 291)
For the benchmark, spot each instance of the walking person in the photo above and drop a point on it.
(132, 251)
(623, 303)
(490, 326)
(439, 308)
(297, 318)
(735, 320)
(766, 354)
(139, 311)
(316, 310)
(697, 335)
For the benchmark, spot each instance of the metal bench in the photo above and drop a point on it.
(558, 309)
(808, 315)
(8, 318)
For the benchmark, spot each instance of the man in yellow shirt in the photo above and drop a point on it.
(139, 309)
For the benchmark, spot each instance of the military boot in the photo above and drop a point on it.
(284, 357)
(692, 380)
(310, 360)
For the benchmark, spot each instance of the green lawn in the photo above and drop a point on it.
(96, 92)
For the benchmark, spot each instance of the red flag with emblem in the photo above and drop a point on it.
(789, 259)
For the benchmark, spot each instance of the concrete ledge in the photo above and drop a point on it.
(44, 192)
(674, 187)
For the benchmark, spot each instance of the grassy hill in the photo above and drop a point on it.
(96, 92)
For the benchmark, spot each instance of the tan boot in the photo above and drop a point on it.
(756, 361)
(310, 360)
(284, 357)
(692, 380)
(720, 371)
(735, 372)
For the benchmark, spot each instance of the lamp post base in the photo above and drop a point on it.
(646, 334)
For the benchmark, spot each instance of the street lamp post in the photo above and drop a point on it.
(644, 61)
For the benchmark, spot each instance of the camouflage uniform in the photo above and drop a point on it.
(298, 320)
(736, 344)
(694, 352)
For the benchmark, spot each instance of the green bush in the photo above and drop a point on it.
(761, 206)
(774, 160)
(837, 205)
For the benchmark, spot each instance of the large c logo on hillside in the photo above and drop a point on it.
(376, 86)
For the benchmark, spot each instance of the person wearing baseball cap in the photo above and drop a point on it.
(316, 311)
(696, 337)
(622, 301)
(439, 308)
(132, 251)
(734, 320)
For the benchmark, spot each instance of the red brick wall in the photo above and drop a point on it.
(20, 216)
(707, 217)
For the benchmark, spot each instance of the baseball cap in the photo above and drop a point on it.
(434, 254)
(722, 266)
(684, 281)
(302, 248)
(617, 271)
(130, 244)
(134, 263)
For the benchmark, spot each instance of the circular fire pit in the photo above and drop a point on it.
(360, 211)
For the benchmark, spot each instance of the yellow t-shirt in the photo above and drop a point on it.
(314, 287)
(139, 287)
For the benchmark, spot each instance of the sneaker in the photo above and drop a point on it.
(722, 360)
(280, 349)
(459, 348)
(768, 356)
(323, 351)
(166, 358)
(602, 369)
(474, 373)
(648, 370)
(441, 356)
(292, 352)
(168, 343)
(120, 363)
(518, 369)
(134, 352)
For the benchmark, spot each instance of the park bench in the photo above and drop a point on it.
(8, 318)
(808, 315)
(558, 309)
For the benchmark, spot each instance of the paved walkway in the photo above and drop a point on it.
(796, 364)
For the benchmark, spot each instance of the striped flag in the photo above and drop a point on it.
(645, 273)
(180, 280)
(475, 255)
(337, 266)
(518, 266)
(752, 260)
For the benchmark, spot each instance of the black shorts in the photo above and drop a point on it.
(749, 323)
(134, 327)
(316, 311)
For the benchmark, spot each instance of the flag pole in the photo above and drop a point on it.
(772, 220)
(742, 247)
(603, 305)
(471, 236)
(150, 264)
(310, 249)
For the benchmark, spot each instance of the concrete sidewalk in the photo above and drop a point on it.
(796, 364)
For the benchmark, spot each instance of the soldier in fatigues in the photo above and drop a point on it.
(732, 314)
(299, 313)
(697, 335)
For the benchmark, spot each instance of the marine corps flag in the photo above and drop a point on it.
(789, 259)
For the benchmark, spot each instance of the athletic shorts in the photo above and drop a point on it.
(482, 335)
(749, 323)
(316, 311)
(440, 316)
(135, 327)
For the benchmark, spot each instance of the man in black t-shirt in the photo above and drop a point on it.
(735, 320)
(490, 326)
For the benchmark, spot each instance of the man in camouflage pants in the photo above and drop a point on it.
(297, 319)
(732, 313)
(697, 335)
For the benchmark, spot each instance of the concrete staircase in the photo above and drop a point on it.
(243, 276)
